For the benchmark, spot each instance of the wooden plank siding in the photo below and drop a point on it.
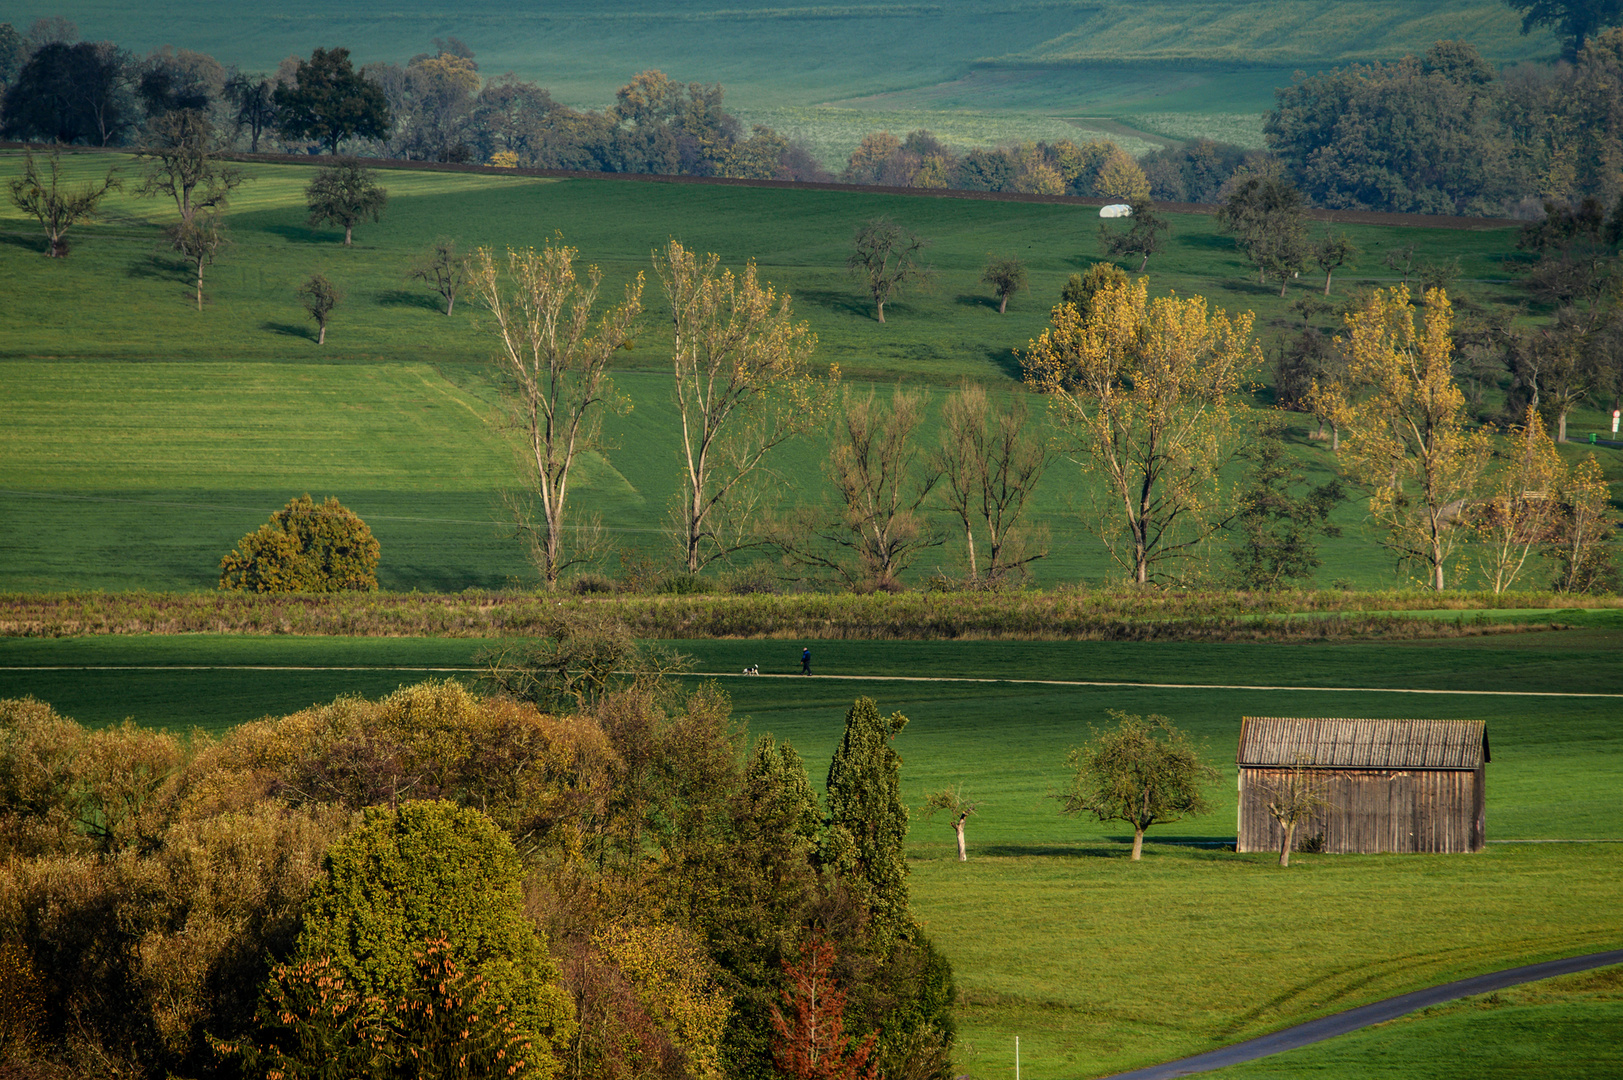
(1391, 785)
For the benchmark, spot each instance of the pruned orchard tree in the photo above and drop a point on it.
(555, 363)
(885, 258)
(1407, 442)
(320, 297)
(743, 385)
(1294, 800)
(1007, 276)
(1144, 772)
(1524, 510)
(54, 205)
(957, 808)
(1332, 253)
(181, 164)
(990, 460)
(345, 195)
(1146, 233)
(1146, 392)
(200, 240)
(442, 268)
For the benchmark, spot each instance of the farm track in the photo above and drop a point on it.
(1343, 1023)
(983, 680)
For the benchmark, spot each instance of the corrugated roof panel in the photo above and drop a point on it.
(1327, 742)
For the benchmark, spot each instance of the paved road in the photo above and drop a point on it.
(1381, 1011)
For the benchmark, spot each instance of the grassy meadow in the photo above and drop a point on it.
(1096, 963)
(149, 436)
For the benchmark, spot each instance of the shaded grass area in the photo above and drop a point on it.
(1097, 963)
(1551, 1030)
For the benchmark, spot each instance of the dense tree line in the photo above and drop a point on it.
(1445, 133)
(615, 885)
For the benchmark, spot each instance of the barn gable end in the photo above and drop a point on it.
(1391, 785)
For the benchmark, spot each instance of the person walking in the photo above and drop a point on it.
(805, 661)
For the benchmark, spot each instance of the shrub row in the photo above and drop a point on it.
(1125, 615)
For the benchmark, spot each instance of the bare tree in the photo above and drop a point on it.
(989, 461)
(320, 297)
(885, 259)
(182, 165)
(56, 207)
(442, 268)
(881, 524)
(957, 807)
(556, 363)
(200, 239)
(743, 387)
(1007, 276)
(1293, 801)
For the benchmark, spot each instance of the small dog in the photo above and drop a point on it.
(753, 669)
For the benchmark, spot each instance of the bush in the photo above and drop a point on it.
(433, 871)
(305, 548)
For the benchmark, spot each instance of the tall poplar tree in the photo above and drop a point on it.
(868, 820)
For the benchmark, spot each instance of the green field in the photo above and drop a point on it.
(1098, 964)
(1571, 1026)
(1036, 63)
(141, 473)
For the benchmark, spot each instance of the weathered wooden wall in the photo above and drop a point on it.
(1373, 810)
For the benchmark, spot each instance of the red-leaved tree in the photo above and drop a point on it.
(811, 1043)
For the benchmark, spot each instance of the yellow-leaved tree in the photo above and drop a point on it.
(555, 361)
(1407, 441)
(1524, 510)
(744, 386)
(1146, 391)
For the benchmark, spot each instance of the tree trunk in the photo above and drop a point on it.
(349, 233)
(958, 826)
(1285, 845)
(321, 337)
(450, 302)
(1561, 426)
(1327, 283)
(880, 304)
(969, 540)
(1335, 437)
(1145, 263)
(1283, 282)
(1138, 842)
(199, 284)
(1003, 304)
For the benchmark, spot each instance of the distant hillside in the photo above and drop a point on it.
(771, 56)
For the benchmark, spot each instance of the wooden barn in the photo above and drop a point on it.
(1389, 785)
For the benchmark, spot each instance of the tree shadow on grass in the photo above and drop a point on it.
(833, 300)
(1006, 361)
(162, 267)
(410, 298)
(289, 330)
(299, 234)
(977, 300)
(26, 241)
(1048, 851)
(1211, 843)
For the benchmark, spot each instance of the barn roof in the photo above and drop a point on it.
(1327, 743)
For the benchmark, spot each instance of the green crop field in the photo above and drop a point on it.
(1098, 964)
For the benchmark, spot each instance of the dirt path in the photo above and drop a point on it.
(828, 678)
(1380, 1012)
